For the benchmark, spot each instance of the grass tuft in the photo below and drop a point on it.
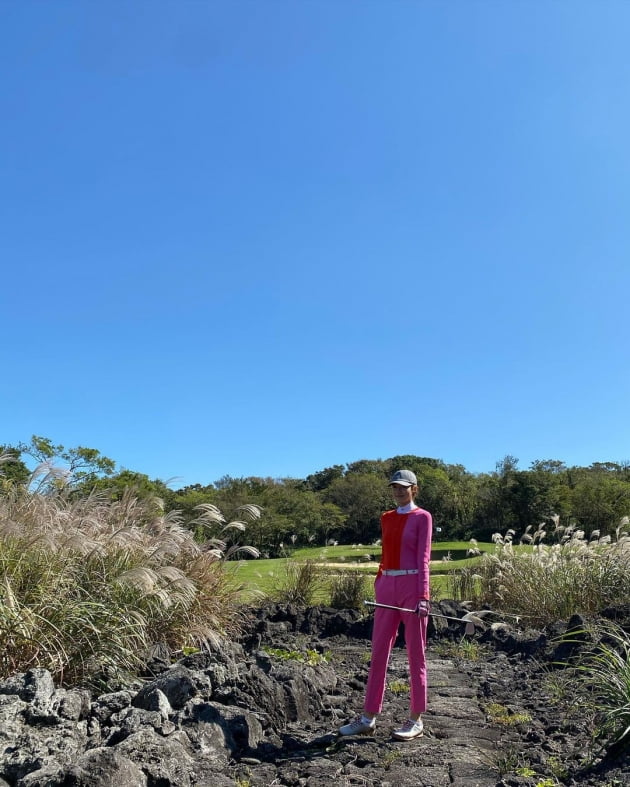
(543, 583)
(86, 586)
(299, 583)
(348, 590)
(603, 670)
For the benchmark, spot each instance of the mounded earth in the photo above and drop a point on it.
(264, 711)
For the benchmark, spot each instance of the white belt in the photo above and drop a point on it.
(399, 572)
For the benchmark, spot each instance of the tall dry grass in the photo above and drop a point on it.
(552, 582)
(299, 583)
(348, 590)
(87, 585)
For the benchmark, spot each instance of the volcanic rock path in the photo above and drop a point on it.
(459, 747)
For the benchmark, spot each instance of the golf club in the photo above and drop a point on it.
(466, 620)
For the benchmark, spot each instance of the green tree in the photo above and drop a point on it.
(362, 498)
(599, 501)
(116, 485)
(12, 468)
(59, 466)
(494, 512)
(464, 490)
(437, 494)
(324, 478)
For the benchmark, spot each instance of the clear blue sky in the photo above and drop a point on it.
(262, 238)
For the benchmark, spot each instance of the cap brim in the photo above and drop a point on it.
(400, 483)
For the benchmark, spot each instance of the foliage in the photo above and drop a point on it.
(465, 649)
(554, 582)
(12, 468)
(363, 497)
(310, 657)
(603, 674)
(115, 486)
(299, 583)
(343, 503)
(499, 714)
(58, 467)
(263, 576)
(348, 590)
(86, 585)
(398, 687)
(463, 584)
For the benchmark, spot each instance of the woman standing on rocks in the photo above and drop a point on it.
(402, 581)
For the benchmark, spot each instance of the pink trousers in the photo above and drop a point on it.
(401, 592)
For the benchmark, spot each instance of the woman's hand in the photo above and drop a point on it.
(423, 608)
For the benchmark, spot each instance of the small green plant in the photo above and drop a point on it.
(558, 685)
(499, 714)
(547, 783)
(465, 649)
(398, 687)
(389, 758)
(557, 768)
(310, 657)
(604, 672)
(525, 771)
(469, 649)
(507, 761)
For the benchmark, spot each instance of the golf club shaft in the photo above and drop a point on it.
(405, 609)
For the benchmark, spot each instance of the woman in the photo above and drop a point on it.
(402, 581)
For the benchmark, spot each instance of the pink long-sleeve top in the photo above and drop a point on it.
(406, 543)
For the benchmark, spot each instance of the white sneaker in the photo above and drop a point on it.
(410, 729)
(360, 726)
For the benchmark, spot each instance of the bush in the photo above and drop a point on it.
(348, 590)
(554, 582)
(603, 678)
(87, 585)
(299, 584)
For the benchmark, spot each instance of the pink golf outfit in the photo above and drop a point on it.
(402, 581)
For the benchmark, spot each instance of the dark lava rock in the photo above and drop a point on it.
(264, 711)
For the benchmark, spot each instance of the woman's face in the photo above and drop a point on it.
(403, 495)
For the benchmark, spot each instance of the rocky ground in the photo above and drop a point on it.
(264, 712)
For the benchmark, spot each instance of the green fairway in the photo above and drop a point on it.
(259, 577)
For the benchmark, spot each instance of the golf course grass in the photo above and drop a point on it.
(261, 577)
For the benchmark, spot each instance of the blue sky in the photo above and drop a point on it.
(263, 238)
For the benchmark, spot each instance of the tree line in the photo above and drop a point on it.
(343, 503)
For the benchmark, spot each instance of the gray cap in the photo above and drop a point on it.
(403, 478)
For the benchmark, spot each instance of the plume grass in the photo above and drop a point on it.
(544, 583)
(87, 585)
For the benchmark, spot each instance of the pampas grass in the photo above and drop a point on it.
(87, 585)
(544, 583)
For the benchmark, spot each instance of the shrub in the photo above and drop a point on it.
(87, 585)
(549, 583)
(299, 583)
(348, 590)
(464, 584)
(603, 673)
